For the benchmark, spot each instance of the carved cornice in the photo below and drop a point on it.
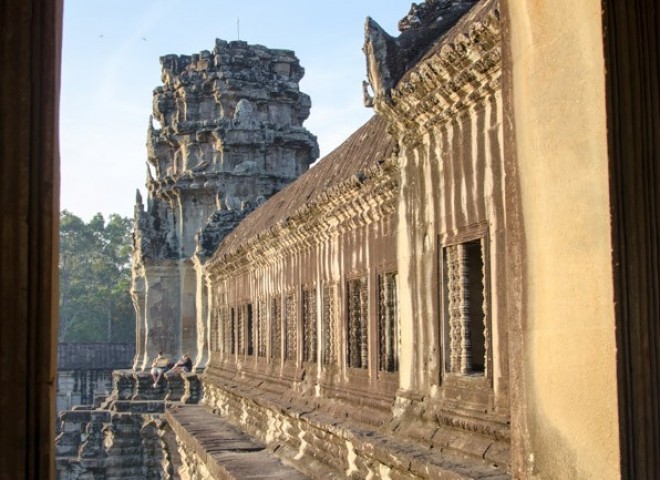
(206, 182)
(363, 199)
(456, 76)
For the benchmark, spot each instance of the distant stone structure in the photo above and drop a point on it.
(84, 371)
(230, 135)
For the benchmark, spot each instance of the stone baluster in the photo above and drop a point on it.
(123, 384)
(176, 387)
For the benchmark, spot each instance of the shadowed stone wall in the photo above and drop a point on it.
(85, 371)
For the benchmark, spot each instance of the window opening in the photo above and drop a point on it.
(358, 348)
(464, 307)
(388, 322)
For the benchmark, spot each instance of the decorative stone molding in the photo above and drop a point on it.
(453, 77)
(364, 199)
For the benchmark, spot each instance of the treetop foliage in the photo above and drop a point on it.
(95, 277)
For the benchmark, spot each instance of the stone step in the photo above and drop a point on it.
(225, 451)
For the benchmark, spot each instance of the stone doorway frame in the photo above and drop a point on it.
(633, 105)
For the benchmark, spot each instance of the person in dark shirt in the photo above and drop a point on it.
(184, 364)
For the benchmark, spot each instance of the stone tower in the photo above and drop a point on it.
(229, 136)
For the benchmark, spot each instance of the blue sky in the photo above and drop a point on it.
(110, 65)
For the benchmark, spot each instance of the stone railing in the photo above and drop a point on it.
(124, 434)
(129, 385)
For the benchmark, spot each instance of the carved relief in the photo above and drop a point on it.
(213, 333)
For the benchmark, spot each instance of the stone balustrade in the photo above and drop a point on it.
(138, 386)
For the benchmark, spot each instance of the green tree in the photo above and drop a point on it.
(95, 277)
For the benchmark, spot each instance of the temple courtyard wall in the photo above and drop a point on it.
(85, 371)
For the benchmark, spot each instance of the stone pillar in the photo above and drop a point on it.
(29, 209)
(138, 297)
(203, 317)
(188, 292)
(162, 314)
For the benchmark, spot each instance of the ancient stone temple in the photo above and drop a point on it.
(451, 293)
(229, 135)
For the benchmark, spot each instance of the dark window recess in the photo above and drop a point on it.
(249, 329)
(464, 310)
(240, 328)
(388, 323)
(290, 328)
(309, 324)
(262, 339)
(276, 328)
(358, 323)
(231, 332)
(329, 324)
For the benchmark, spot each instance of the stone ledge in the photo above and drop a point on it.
(225, 451)
(339, 447)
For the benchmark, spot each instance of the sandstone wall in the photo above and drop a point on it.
(565, 410)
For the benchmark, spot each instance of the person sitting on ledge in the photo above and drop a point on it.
(184, 364)
(158, 367)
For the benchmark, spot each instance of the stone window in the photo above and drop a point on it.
(230, 333)
(309, 324)
(213, 333)
(388, 323)
(213, 328)
(222, 326)
(358, 323)
(464, 308)
(329, 324)
(262, 339)
(249, 329)
(290, 327)
(276, 327)
(240, 329)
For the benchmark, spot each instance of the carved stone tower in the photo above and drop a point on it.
(229, 136)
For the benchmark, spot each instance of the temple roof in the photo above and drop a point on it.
(368, 145)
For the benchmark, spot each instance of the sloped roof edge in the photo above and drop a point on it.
(368, 145)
